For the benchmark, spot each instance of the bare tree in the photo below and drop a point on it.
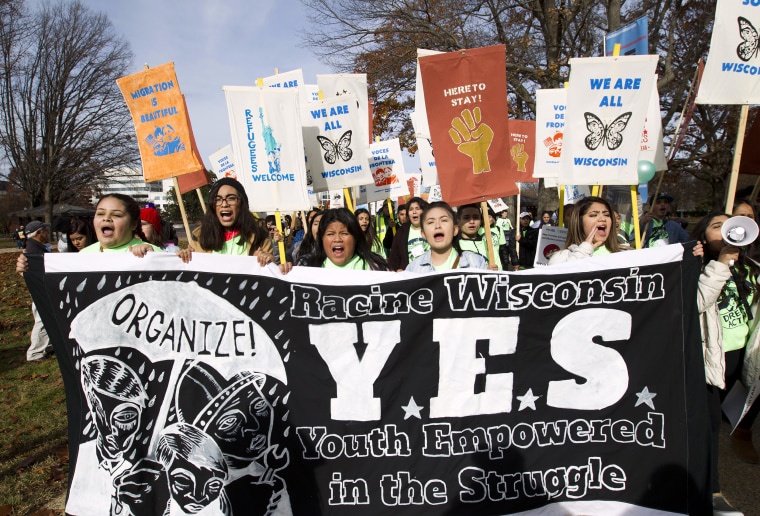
(63, 120)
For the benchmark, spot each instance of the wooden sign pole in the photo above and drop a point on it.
(737, 159)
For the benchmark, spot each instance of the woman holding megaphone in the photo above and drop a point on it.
(727, 301)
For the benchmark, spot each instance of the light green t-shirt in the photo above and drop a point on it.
(481, 247)
(732, 317)
(449, 263)
(601, 251)
(354, 264)
(416, 245)
(95, 248)
(232, 247)
(657, 233)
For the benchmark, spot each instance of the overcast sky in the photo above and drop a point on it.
(212, 44)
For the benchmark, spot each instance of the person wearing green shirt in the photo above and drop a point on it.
(362, 215)
(341, 244)
(118, 227)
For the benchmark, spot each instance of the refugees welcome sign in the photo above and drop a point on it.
(245, 392)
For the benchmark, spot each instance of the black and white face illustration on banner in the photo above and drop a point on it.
(186, 392)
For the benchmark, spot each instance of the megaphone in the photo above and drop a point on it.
(739, 231)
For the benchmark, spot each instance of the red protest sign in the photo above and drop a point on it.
(466, 103)
(522, 148)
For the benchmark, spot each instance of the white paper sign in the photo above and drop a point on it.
(425, 149)
(652, 148)
(435, 194)
(498, 205)
(336, 158)
(387, 168)
(350, 83)
(733, 65)
(222, 163)
(312, 92)
(574, 193)
(267, 145)
(550, 129)
(336, 199)
(421, 126)
(550, 240)
(607, 103)
(292, 79)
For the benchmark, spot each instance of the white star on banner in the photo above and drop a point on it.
(645, 397)
(527, 400)
(412, 409)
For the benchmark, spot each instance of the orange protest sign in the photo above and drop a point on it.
(160, 118)
(522, 148)
(466, 103)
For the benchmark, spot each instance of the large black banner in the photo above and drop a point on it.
(576, 389)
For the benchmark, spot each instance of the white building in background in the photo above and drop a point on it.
(130, 182)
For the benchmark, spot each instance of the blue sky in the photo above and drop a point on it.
(212, 44)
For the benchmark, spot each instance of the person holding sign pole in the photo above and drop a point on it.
(591, 232)
(341, 244)
(439, 228)
(727, 301)
(228, 227)
(408, 244)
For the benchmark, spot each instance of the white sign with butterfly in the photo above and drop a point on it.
(732, 71)
(336, 159)
(607, 103)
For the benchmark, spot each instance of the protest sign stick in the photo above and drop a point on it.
(390, 213)
(200, 198)
(561, 215)
(635, 213)
(517, 219)
(487, 226)
(280, 244)
(737, 159)
(182, 209)
(347, 196)
(304, 221)
(755, 190)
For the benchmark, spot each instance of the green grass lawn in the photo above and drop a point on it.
(33, 438)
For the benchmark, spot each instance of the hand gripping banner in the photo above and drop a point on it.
(466, 102)
(574, 389)
(161, 122)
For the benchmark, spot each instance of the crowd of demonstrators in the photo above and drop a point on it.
(435, 237)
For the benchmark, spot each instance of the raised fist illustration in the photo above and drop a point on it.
(473, 139)
(520, 156)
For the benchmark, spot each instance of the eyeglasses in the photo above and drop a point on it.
(231, 200)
